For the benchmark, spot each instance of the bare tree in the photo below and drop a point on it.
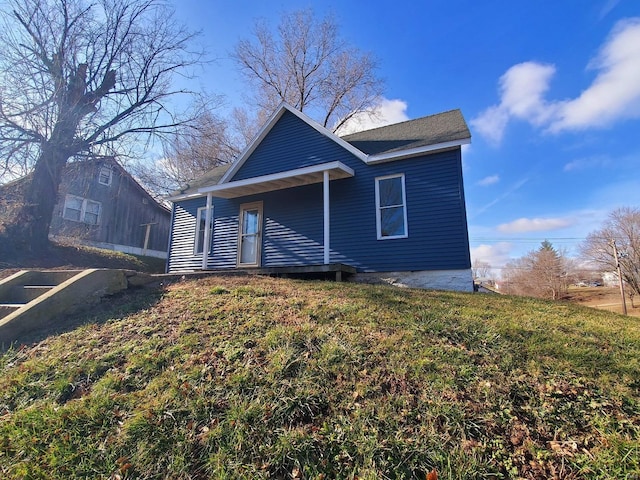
(81, 77)
(623, 227)
(543, 273)
(480, 269)
(310, 67)
(197, 148)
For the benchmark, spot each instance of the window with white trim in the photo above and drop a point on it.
(201, 220)
(78, 209)
(105, 175)
(391, 207)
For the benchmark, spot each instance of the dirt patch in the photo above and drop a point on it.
(604, 298)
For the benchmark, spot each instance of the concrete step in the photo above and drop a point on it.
(51, 277)
(8, 308)
(26, 293)
(26, 286)
(32, 300)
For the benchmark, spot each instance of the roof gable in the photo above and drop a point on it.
(269, 126)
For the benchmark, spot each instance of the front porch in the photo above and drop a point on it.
(333, 271)
(338, 271)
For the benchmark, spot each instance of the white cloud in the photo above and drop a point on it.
(523, 225)
(490, 180)
(386, 112)
(495, 255)
(613, 95)
(521, 91)
(491, 124)
(523, 87)
(587, 163)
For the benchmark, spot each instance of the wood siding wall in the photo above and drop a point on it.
(293, 219)
(125, 207)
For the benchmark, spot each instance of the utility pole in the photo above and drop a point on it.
(620, 281)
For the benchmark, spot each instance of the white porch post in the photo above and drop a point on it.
(325, 192)
(207, 233)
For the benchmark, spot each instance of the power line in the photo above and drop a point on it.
(538, 239)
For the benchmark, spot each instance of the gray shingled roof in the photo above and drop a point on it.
(421, 132)
(212, 177)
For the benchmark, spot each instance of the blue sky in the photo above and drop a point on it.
(550, 90)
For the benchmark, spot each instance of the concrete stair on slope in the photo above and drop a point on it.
(32, 300)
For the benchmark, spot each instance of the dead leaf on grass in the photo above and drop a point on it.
(565, 449)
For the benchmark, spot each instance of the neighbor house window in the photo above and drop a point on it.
(73, 208)
(391, 207)
(91, 212)
(200, 229)
(105, 174)
(78, 209)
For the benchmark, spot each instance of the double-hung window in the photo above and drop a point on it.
(91, 212)
(201, 222)
(105, 175)
(78, 209)
(391, 207)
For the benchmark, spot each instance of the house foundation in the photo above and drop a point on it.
(456, 280)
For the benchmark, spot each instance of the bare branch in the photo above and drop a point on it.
(623, 226)
(309, 67)
(83, 76)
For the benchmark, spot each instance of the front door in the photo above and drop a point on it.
(250, 235)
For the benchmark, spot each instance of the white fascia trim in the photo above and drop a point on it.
(275, 116)
(185, 196)
(278, 176)
(389, 157)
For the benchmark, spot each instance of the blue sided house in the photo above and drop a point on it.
(385, 204)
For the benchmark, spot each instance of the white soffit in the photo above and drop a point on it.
(279, 181)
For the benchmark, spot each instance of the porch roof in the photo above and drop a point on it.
(278, 181)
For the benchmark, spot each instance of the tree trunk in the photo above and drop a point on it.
(29, 230)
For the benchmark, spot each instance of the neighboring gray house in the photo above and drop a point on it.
(101, 205)
(387, 202)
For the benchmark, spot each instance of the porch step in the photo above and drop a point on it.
(26, 293)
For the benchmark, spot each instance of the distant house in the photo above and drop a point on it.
(388, 203)
(100, 204)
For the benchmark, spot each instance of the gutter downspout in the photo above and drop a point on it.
(325, 194)
(207, 233)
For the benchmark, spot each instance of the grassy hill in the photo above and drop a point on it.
(71, 257)
(267, 378)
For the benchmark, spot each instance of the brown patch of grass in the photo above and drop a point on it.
(603, 298)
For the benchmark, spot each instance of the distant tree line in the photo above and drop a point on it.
(544, 273)
(548, 272)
